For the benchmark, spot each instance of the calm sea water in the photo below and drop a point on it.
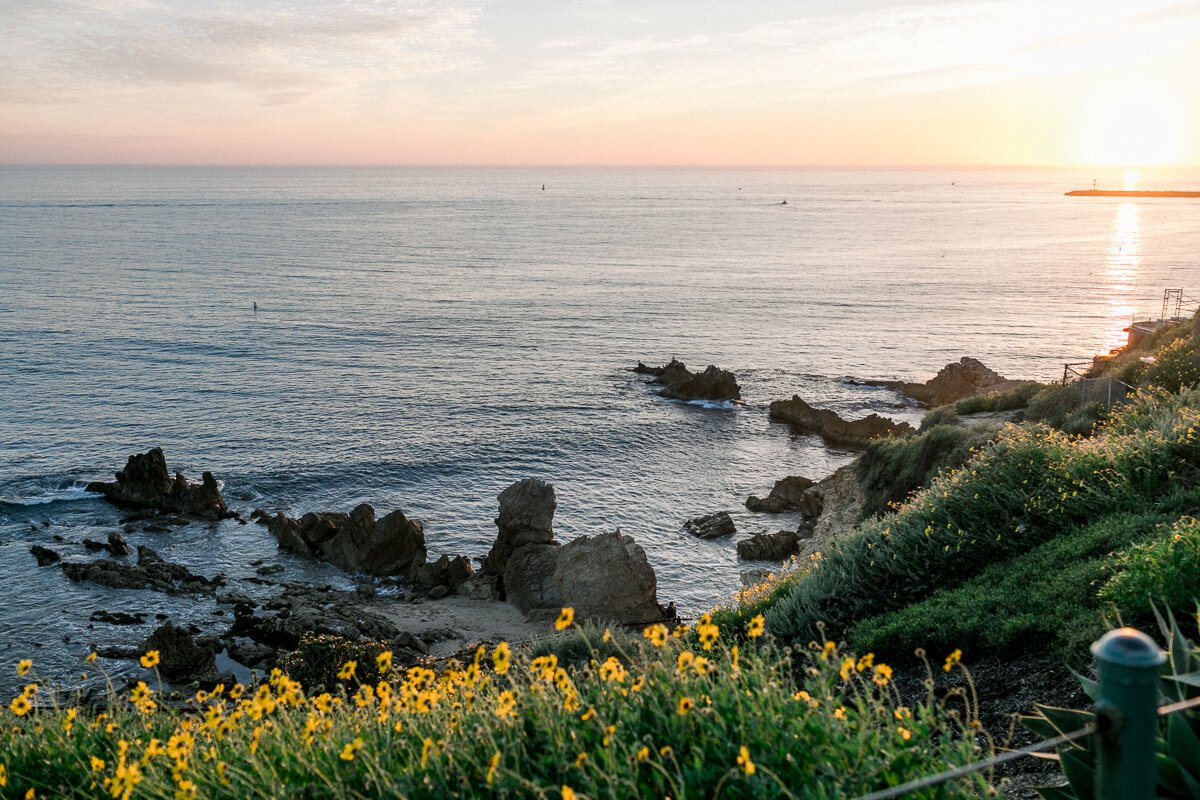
(424, 337)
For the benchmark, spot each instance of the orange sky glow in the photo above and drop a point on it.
(863, 82)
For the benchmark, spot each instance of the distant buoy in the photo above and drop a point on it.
(255, 306)
(784, 203)
(543, 187)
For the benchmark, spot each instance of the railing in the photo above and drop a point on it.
(1128, 664)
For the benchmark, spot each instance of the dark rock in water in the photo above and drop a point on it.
(769, 546)
(832, 428)
(261, 517)
(785, 496)
(526, 517)
(713, 526)
(680, 383)
(956, 381)
(270, 569)
(94, 546)
(392, 545)
(117, 617)
(44, 555)
(181, 656)
(150, 572)
(117, 545)
(145, 483)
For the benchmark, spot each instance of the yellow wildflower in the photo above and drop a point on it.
(506, 704)
(865, 662)
(656, 633)
(591, 712)
(847, 667)
(347, 670)
(97, 764)
(20, 705)
(500, 658)
(565, 618)
(579, 759)
(905, 733)
(643, 754)
(568, 793)
(150, 659)
(839, 713)
(952, 660)
(91, 657)
(23, 666)
(756, 626)
(384, 662)
(612, 670)
(3, 776)
(685, 705)
(350, 749)
(426, 746)
(744, 762)
(883, 674)
(493, 762)
(606, 637)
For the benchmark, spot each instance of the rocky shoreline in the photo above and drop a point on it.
(512, 592)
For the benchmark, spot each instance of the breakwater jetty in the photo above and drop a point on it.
(1131, 193)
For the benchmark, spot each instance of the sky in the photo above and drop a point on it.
(655, 82)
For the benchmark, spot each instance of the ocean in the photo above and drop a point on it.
(426, 336)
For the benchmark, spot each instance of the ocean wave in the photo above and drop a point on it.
(67, 494)
(718, 405)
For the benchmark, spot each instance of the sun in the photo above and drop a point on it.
(1132, 125)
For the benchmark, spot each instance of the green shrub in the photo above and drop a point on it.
(891, 469)
(1010, 400)
(1064, 407)
(1044, 599)
(1020, 490)
(318, 659)
(942, 415)
(1162, 572)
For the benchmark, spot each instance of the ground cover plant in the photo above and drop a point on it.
(690, 714)
(1025, 488)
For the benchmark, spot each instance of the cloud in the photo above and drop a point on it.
(277, 53)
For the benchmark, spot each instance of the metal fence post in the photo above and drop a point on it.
(1128, 663)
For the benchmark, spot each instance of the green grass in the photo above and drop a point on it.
(1011, 400)
(1163, 572)
(679, 721)
(1024, 489)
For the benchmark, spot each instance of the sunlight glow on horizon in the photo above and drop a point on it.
(865, 82)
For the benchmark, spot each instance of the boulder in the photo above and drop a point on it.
(392, 545)
(146, 484)
(150, 572)
(118, 546)
(529, 578)
(842, 503)
(956, 381)
(526, 517)
(44, 555)
(447, 574)
(181, 656)
(608, 578)
(832, 428)
(785, 496)
(680, 383)
(117, 617)
(769, 546)
(713, 526)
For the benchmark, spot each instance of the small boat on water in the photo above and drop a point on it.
(1131, 193)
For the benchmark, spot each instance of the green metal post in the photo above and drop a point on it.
(1128, 663)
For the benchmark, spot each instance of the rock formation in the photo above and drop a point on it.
(771, 546)
(150, 572)
(832, 428)
(785, 496)
(181, 656)
(145, 483)
(680, 383)
(44, 555)
(712, 526)
(840, 501)
(604, 577)
(956, 381)
(392, 545)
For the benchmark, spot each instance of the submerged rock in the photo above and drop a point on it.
(150, 572)
(392, 545)
(680, 383)
(713, 526)
(146, 484)
(785, 496)
(44, 555)
(832, 428)
(956, 381)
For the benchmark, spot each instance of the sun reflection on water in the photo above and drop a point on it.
(1121, 271)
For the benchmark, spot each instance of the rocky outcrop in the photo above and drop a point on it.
(785, 496)
(841, 503)
(392, 545)
(956, 381)
(145, 483)
(832, 428)
(116, 545)
(680, 383)
(440, 578)
(604, 577)
(181, 656)
(526, 517)
(771, 546)
(712, 526)
(150, 572)
(608, 577)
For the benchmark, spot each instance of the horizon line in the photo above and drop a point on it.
(614, 165)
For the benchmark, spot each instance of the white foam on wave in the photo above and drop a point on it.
(69, 494)
(719, 405)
